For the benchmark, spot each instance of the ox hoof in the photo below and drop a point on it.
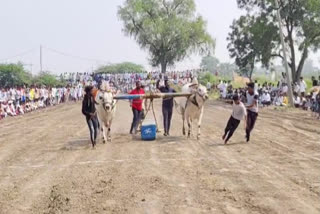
(198, 137)
(109, 139)
(104, 141)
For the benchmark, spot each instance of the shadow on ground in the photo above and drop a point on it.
(77, 144)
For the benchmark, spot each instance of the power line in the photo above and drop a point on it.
(74, 56)
(17, 55)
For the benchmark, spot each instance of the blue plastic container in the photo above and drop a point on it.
(148, 130)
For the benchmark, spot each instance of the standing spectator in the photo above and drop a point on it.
(314, 81)
(318, 104)
(303, 87)
(296, 88)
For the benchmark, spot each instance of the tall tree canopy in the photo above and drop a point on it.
(14, 75)
(168, 29)
(255, 37)
(213, 65)
(210, 63)
(125, 67)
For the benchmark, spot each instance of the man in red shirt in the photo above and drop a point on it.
(137, 106)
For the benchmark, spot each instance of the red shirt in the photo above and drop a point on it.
(137, 104)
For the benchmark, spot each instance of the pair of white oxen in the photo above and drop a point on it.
(191, 108)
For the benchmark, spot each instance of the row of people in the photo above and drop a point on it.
(21, 100)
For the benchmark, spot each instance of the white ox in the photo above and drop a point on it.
(106, 109)
(192, 108)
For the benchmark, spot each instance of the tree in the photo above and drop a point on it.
(299, 18)
(126, 67)
(47, 79)
(14, 75)
(168, 29)
(210, 63)
(226, 69)
(250, 41)
(213, 65)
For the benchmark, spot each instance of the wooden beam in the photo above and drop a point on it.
(150, 96)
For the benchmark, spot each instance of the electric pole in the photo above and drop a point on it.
(40, 58)
(289, 79)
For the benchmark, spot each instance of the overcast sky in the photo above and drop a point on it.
(89, 29)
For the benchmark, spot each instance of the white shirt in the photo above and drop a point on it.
(239, 111)
(266, 97)
(297, 100)
(303, 86)
(250, 100)
(285, 89)
(297, 88)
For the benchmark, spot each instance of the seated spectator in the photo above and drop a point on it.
(278, 100)
(303, 103)
(296, 100)
(3, 112)
(265, 99)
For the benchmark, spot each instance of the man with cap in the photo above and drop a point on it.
(194, 85)
(167, 105)
(252, 109)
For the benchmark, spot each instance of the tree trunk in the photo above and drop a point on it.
(301, 64)
(163, 67)
(251, 71)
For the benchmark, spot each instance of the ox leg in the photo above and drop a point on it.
(183, 127)
(189, 127)
(183, 120)
(199, 124)
(104, 128)
(109, 134)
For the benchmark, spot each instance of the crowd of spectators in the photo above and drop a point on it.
(23, 99)
(20, 100)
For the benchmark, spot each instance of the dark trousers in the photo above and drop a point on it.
(167, 115)
(93, 128)
(251, 120)
(266, 103)
(231, 127)
(136, 120)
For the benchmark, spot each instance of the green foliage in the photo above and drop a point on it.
(213, 65)
(250, 42)
(14, 75)
(208, 77)
(168, 29)
(126, 67)
(47, 79)
(255, 37)
(210, 63)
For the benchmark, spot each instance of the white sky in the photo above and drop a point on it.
(90, 29)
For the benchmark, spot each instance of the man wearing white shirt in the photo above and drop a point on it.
(284, 89)
(296, 88)
(266, 99)
(296, 100)
(303, 86)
